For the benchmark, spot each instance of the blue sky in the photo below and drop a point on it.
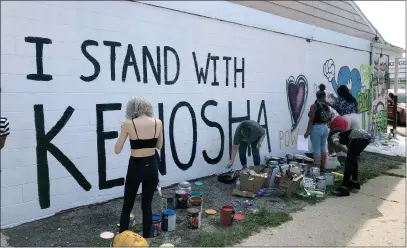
(389, 18)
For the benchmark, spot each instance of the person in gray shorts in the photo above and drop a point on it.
(247, 133)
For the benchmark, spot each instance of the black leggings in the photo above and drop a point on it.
(144, 171)
(355, 147)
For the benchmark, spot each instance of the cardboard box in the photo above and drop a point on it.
(290, 186)
(243, 193)
(254, 183)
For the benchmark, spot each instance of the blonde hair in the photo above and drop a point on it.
(138, 106)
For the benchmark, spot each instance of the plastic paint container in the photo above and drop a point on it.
(193, 218)
(321, 182)
(169, 220)
(156, 227)
(329, 179)
(195, 202)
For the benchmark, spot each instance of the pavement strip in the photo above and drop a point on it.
(373, 217)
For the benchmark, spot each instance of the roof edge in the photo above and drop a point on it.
(361, 14)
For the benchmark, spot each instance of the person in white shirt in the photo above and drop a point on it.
(4, 131)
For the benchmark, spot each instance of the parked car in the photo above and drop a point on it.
(401, 106)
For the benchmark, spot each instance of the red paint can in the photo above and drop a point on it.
(226, 215)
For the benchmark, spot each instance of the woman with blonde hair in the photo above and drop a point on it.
(145, 136)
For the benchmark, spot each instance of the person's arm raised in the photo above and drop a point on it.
(120, 141)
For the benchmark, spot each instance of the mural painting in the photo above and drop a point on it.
(379, 86)
(350, 78)
(297, 93)
(44, 138)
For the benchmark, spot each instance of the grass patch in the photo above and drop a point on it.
(228, 236)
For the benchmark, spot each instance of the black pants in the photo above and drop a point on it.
(355, 147)
(144, 171)
(243, 151)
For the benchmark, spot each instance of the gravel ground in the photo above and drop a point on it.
(82, 227)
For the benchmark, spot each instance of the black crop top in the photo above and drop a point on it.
(144, 143)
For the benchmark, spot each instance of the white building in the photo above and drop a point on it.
(68, 67)
(401, 73)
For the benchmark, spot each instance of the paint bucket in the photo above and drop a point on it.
(321, 182)
(272, 164)
(194, 218)
(196, 193)
(156, 227)
(169, 220)
(167, 201)
(314, 171)
(185, 186)
(181, 199)
(329, 179)
(195, 202)
(226, 215)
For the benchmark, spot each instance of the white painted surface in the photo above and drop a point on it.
(270, 59)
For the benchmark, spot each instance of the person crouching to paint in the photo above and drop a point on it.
(247, 133)
(145, 136)
(319, 117)
(356, 140)
(338, 124)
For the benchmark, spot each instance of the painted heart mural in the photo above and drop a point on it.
(348, 77)
(297, 93)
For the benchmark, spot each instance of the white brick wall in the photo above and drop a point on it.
(270, 59)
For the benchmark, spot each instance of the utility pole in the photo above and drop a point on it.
(396, 83)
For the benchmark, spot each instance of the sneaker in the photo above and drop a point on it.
(341, 192)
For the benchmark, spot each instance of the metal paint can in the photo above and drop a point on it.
(156, 227)
(329, 179)
(194, 218)
(314, 172)
(168, 201)
(321, 182)
(181, 199)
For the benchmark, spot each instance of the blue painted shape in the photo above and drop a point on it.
(345, 75)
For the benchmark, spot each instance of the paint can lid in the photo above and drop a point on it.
(193, 210)
(156, 217)
(196, 193)
(168, 212)
(227, 208)
(199, 183)
(238, 216)
(210, 211)
(167, 245)
(107, 235)
(184, 184)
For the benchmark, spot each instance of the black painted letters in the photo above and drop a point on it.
(44, 145)
(218, 158)
(112, 45)
(181, 165)
(172, 50)
(94, 62)
(39, 46)
(130, 60)
(101, 137)
(199, 71)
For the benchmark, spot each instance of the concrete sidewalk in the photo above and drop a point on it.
(375, 216)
